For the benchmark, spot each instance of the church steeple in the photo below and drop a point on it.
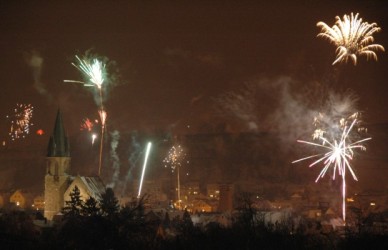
(57, 178)
(58, 145)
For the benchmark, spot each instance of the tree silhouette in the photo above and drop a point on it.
(109, 203)
(74, 205)
(91, 207)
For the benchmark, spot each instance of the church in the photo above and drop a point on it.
(58, 183)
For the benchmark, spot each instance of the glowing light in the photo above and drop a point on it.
(93, 69)
(40, 132)
(87, 124)
(21, 121)
(94, 136)
(144, 167)
(173, 159)
(352, 38)
(103, 116)
(337, 153)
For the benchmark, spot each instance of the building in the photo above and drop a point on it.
(226, 198)
(58, 182)
(20, 199)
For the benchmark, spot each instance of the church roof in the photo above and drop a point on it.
(95, 186)
(58, 144)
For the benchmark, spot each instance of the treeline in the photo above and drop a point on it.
(102, 224)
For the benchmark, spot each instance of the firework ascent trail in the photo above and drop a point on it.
(144, 167)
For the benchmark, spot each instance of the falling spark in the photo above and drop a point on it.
(352, 38)
(21, 121)
(94, 136)
(144, 168)
(87, 124)
(95, 72)
(173, 159)
(339, 153)
(40, 132)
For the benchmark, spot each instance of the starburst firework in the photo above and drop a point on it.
(338, 142)
(352, 37)
(20, 121)
(174, 159)
(95, 71)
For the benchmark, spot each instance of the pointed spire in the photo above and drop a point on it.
(58, 145)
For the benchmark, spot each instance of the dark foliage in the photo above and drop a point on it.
(89, 227)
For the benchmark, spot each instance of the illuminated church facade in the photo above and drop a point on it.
(58, 183)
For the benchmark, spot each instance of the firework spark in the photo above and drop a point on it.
(173, 159)
(352, 37)
(21, 121)
(94, 136)
(144, 167)
(87, 124)
(103, 115)
(93, 69)
(338, 151)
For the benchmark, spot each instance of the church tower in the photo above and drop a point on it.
(57, 165)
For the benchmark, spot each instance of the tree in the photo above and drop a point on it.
(109, 203)
(74, 205)
(91, 207)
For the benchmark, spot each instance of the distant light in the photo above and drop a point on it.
(373, 204)
(40, 132)
(349, 199)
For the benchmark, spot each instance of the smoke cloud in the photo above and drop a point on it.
(35, 62)
(115, 135)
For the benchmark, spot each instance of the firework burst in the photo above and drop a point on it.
(338, 140)
(87, 125)
(174, 159)
(21, 121)
(352, 37)
(95, 72)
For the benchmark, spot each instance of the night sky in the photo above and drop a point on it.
(171, 60)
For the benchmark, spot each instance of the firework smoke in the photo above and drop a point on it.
(133, 159)
(115, 137)
(35, 62)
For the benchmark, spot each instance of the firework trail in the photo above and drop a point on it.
(352, 37)
(94, 136)
(103, 115)
(115, 135)
(144, 167)
(173, 159)
(95, 72)
(338, 139)
(21, 121)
